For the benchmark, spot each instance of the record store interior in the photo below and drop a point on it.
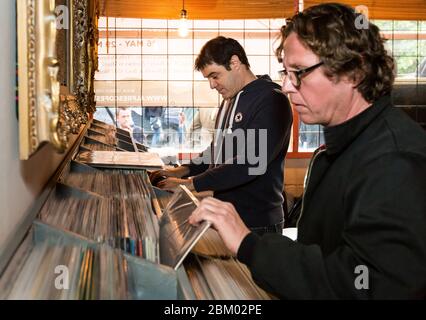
(108, 104)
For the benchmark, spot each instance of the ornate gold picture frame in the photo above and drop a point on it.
(47, 112)
(37, 76)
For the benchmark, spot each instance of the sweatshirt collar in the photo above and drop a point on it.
(340, 136)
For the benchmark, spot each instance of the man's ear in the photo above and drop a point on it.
(235, 62)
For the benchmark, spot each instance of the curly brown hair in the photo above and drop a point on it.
(331, 32)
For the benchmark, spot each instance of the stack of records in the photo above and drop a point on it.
(112, 183)
(67, 272)
(107, 138)
(98, 147)
(217, 279)
(211, 245)
(117, 159)
(129, 224)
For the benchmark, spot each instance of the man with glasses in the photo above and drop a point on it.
(362, 226)
(251, 105)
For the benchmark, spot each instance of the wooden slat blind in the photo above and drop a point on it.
(386, 9)
(198, 9)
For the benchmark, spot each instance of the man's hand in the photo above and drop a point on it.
(171, 184)
(224, 218)
(178, 172)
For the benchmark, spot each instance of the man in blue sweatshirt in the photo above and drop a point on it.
(245, 162)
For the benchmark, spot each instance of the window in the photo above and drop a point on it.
(145, 66)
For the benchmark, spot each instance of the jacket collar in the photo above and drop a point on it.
(339, 137)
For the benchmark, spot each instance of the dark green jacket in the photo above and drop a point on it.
(364, 213)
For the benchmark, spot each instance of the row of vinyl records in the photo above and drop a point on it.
(82, 272)
(118, 211)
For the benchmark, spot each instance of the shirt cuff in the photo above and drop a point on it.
(246, 249)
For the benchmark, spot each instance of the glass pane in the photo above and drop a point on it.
(102, 23)
(234, 34)
(174, 127)
(310, 137)
(405, 25)
(154, 67)
(105, 115)
(422, 47)
(257, 42)
(206, 24)
(257, 24)
(201, 37)
(129, 93)
(106, 68)
(154, 23)
(231, 24)
(181, 67)
(129, 67)
(135, 122)
(179, 45)
(421, 69)
(155, 41)
(290, 144)
(389, 46)
(129, 42)
(197, 74)
(153, 125)
(384, 25)
(128, 23)
(275, 42)
(276, 24)
(259, 65)
(105, 93)
(175, 23)
(106, 44)
(124, 117)
(204, 96)
(200, 128)
(406, 67)
(180, 93)
(405, 47)
(154, 93)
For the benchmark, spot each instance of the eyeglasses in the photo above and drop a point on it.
(295, 76)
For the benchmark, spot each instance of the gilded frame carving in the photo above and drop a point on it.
(37, 76)
(46, 115)
(84, 58)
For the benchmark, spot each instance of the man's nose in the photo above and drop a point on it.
(213, 83)
(287, 86)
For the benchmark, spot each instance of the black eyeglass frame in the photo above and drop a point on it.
(299, 73)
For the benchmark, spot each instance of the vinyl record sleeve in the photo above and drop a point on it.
(177, 236)
(121, 159)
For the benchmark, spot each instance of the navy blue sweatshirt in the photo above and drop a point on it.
(257, 197)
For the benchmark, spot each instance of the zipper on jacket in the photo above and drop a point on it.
(308, 176)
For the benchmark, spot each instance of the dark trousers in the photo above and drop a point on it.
(275, 228)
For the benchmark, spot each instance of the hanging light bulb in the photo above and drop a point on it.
(183, 22)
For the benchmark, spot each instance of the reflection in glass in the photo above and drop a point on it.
(128, 93)
(129, 67)
(310, 137)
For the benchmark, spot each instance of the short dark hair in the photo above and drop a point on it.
(330, 31)
(220, 51)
